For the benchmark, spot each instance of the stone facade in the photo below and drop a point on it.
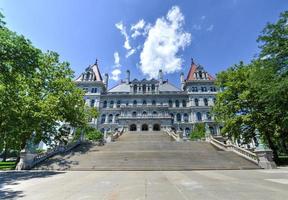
(140, 105)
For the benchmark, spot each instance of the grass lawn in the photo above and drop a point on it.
(7, 165)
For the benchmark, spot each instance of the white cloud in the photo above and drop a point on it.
(210, 28)
(116, 59)
(130, 52)
(123, 31)
(140, 28)
(116, 71)
(139, 25)
(203, 17)
(164, 41)
(116, 74)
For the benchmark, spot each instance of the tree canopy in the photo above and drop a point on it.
(254, 96)
(37, 93)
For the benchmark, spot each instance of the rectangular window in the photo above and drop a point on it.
(94, 90)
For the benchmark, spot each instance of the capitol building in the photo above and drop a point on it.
(151, 105)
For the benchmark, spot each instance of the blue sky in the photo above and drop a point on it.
(166, 33)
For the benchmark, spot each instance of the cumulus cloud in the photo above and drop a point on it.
(164, 41)
(123, 31)
(116, 71)
(116, 74)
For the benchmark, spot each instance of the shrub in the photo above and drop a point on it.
(90, 133)
(198, 132)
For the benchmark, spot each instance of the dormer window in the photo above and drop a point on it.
(135, 88)
(200, 75)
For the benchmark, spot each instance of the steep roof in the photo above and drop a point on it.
(92, 73)
(124, 87)
(194, 69)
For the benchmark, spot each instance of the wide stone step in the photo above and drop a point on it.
(149, 151)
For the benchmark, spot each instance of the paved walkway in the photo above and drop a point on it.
(146, 185)
(147, 151)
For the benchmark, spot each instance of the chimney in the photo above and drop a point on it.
(160, 76)
(127, 76)
(106, 77)
(182, 81)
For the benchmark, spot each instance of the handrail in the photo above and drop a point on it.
(29, 160)
(238, 150)
(117, 134)
(60, 149)
(172, 134)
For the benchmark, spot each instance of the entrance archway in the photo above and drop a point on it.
(133, 127)
(156, 127)
(144, 127)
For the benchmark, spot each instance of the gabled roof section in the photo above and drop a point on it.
(197, 72)
(92, 73)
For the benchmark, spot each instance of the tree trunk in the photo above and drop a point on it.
(273, 147)
(5, 154)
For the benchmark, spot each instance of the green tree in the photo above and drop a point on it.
(198, 131)
(37, 94)
(254, 97)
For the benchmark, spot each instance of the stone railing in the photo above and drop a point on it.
(117, 134)
(172, 134)
(238, 150)
(29, 160)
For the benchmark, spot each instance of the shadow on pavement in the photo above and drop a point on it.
(13, 177)
(63, 161)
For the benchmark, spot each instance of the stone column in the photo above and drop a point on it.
(106, 118)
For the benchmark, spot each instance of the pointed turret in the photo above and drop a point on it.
(92, 73)
(197, 72)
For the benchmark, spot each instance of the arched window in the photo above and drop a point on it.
(144, 103)
(153, 103)
(144, 114)
(117, 118)
(177, 103)
(178, 117)
(103, 118)
(186, 117)
(154, 113)
(92, 103)
(111, 104)
(134, 114)
(203, 89)
(196, 102)
(170, 103)
(153, 88)
(184, 104)
(110, 118)
(208, 116)
(199, 116)
(133, 127)
(135, 88)
(118, 104)
(144, 88)
(105, 104)
(134, 103)
(205, 102)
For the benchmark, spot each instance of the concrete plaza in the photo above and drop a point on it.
(142, 185)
